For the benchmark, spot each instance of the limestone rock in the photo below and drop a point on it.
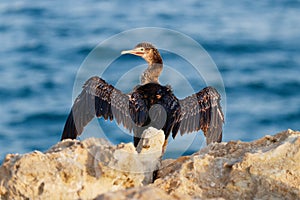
(268, 168)
(73, 169)
(141, 193)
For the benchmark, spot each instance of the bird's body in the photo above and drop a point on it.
(149, 104)
(161, 109)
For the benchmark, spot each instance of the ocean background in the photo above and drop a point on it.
(255, 45)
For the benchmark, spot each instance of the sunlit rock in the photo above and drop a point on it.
(267, 168)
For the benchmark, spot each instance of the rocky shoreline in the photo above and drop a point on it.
(268, 168)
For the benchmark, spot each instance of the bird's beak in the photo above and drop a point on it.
(136, 52)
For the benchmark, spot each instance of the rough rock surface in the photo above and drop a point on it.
(268, 168)
(73, 169)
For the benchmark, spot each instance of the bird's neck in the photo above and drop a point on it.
(152, 73)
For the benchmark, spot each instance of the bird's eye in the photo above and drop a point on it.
(142, 49)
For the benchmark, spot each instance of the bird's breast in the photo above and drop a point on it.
(154, 93)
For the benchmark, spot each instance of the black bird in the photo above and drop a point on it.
(149, 104)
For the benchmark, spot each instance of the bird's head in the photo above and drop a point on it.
(146, 51)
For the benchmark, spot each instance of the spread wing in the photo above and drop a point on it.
(99, 99)
(202, 111)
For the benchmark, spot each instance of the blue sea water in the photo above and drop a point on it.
(255, 45)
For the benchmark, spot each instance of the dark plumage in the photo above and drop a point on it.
(149, 104)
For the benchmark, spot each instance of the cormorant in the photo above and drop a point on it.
(149, 104)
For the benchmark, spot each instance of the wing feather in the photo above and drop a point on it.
(138, 109)
(202, 111)
(99, 99)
